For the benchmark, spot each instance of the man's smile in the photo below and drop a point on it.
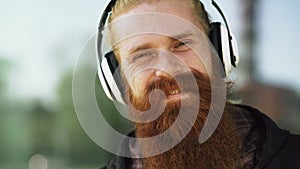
(175, 94)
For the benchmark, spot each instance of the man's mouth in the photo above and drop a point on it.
(174, 94)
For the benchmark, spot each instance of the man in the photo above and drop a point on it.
(166, 76)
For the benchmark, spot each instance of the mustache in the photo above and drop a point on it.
(184, 82)
(193, 83)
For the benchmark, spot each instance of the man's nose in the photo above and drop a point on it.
(161, 73)
(169, 65)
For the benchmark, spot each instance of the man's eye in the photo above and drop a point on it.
(183, 44)
(142, 55)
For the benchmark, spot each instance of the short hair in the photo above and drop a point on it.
(123, 6)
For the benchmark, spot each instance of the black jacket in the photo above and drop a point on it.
(280, 149)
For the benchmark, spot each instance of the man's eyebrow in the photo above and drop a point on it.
(183, 35)
(151, 45)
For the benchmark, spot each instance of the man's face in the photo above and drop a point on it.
(147, 57)
(156, 51)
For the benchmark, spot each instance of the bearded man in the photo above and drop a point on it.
(171, 79)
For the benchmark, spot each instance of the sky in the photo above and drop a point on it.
(278, 42)
(42, 39)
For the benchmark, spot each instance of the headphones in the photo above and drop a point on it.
(110, 76)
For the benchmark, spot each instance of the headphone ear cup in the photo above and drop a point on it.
(104, 83)
(219, 39)
(236, 56)
(110, 77)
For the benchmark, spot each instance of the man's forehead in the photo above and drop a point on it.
(180, 8)
(151, 23)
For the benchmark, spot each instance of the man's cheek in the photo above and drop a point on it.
(194, 62)
(140, 82)
(138, 87)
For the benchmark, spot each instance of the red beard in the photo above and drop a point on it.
(220, 151)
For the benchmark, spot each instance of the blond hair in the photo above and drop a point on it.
(123, 6)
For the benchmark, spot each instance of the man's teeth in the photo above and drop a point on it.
(173, 92)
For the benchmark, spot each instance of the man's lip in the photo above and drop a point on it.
(176, 96)
(174, 92)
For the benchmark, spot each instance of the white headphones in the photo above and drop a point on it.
(108, 72)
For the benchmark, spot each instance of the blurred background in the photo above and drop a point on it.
(40, 42)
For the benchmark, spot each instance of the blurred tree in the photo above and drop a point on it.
(5, 67)
(41, 125)
(14, 133)
(71, 142)
(4, 70)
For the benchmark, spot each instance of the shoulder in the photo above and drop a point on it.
(116, 162)
(293, 146)
(291, 149)
(111, 164)
(280, 148)
(288, 156)
(119, 162)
